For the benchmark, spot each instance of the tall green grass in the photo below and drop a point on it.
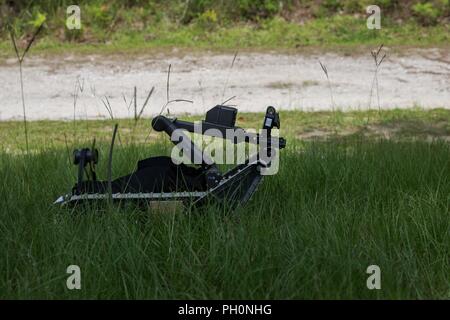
(309, 232)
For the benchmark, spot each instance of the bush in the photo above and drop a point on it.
(332, 6)
(252, 10)
(445, 6)
(354, 6)
(100, 15)
(207, 20)
(256, 9)
(426, 13)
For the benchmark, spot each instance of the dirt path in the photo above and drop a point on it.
(418, 77)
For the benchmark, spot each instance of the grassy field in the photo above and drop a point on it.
(401, 124)
(364, 188)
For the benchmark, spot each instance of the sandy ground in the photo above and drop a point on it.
(287, 81)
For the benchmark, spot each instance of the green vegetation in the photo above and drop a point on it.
(112, 26)
(398, 124)
(337, 206)
(426, 13)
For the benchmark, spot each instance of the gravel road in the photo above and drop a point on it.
(288, 81)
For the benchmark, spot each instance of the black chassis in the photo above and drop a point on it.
(159, 179)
